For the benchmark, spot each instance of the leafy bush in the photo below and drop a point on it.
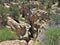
(53, 36)
(7, 34)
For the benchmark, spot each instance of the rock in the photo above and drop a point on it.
(7, 5)
(16, 27)
(31, 42)
(21, 28)
(23, 42)
(14, 42)
(54, 6)
(12, 22)
(23, 24)
(36, 42)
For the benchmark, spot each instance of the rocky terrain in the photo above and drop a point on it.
(28, 19)
(14, 42)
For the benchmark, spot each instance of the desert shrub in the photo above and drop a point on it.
(53, 36)
(7, 34)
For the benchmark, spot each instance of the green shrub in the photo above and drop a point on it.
(7, 34)
(53, 36)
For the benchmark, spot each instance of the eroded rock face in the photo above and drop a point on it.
(14, 42)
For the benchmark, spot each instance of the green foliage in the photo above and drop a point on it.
(54, 18)
(3, 12)
(46, 3)
(14, 11)
(7, 34)
(5, 1)
(53, 36)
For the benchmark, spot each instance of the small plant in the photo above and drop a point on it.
(53, 36)
(7, 34)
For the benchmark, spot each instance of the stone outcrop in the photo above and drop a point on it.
(14, 42)
(19, 28)
(31, 42)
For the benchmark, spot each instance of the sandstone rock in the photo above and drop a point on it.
(7, 5)
(23, 42)
(15, 26)
(31, 42)
(14, 42)
(23, 24)
(54, 6)
(13, 22)
(21, 28)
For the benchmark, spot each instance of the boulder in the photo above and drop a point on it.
(14, 42)
(31, 42)
(20, 28)
(15, 26)
(23, 24)
(23, 42)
